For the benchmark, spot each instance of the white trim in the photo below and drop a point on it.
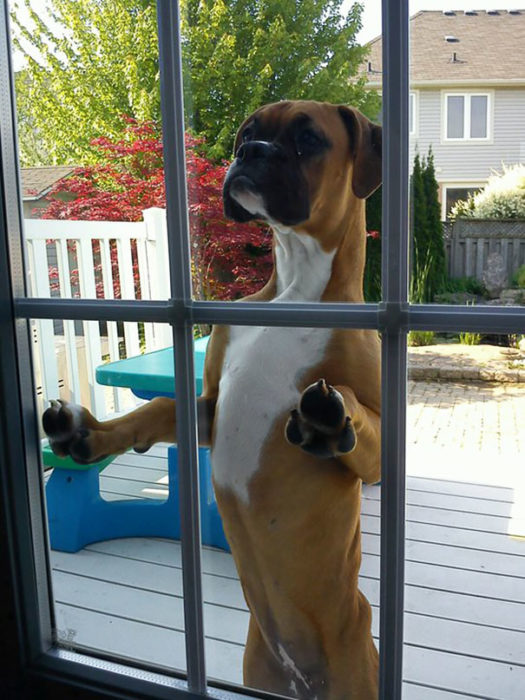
(414, 97)
(467, 95)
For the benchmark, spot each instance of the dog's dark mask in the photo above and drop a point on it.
(273, 151)
(266, 176)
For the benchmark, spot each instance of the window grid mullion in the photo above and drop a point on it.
(179, 255)
(394, 350)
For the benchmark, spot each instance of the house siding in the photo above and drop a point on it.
(468, 161)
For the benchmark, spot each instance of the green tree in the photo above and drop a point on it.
(372, 278)
(437, 276)
(95, 60)
(428, 266)
(240, 54)
(90, 63)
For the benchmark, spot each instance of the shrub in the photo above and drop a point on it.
(519, 277)
(470, 338)
(469, 285)
(420, 338)
(503, 197)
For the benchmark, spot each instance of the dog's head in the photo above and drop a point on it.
(294, 159)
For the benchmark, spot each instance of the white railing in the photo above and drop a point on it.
(94, 259)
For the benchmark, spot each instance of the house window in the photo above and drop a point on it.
(467, 117)
(454, 194)
(20, 477)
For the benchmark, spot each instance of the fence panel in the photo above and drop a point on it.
(469, 242)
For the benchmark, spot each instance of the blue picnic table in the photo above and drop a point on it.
(77, 513)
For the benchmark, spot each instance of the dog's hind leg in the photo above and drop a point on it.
(261, 668)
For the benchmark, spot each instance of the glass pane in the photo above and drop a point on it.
(455, 116)
(93, 197)
(112, 490)
(478, 116)
(288, 468)
(238, 61)
(466, 220)
(464, 630)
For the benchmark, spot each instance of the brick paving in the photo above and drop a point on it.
(467, 431)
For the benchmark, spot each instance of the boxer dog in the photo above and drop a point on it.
(292, 414)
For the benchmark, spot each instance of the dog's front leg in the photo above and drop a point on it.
(330, 422)
(73, 431)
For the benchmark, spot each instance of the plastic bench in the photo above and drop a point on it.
(78, 515)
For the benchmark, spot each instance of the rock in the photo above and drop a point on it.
(495, 275)
(513, 297)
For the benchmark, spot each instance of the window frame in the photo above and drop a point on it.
(414, 100)
(467, 96)
(22, 495)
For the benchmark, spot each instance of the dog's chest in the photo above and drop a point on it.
(263, 367)
(262, 371)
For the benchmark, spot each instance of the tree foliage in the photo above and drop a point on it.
(372, 278)
(240, 54)
(230, 260)
(88, 63)
(95, 60)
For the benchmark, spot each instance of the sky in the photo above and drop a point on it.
(372, 13)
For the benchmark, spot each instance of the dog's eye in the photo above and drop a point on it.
(247, 134)
(307, 141)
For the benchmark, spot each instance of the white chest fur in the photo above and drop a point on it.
(263, 367)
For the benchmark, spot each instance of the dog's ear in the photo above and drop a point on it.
(366, 140)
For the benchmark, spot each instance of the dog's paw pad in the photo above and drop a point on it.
(319, 425)
(323, 407)
(65, 425)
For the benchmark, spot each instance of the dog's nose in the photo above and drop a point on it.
(255, 149)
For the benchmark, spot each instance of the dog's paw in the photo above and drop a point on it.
(319, 424)
(71, 432)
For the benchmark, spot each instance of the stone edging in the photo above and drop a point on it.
(452, 373)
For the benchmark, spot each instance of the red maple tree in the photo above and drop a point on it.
(229, 260)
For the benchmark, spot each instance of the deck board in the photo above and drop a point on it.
(464, 596)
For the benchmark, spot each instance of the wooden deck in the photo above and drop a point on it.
(465, 592)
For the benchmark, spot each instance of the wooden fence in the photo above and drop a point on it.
(94, 259)
(469, 242)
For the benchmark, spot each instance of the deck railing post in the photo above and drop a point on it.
(158, 271)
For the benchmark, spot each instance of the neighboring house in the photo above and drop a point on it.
(467, 94)
(36, 184)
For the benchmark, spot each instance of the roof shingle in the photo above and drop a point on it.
(37, 181)
(488, 46)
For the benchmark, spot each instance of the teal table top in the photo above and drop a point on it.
(151, 374)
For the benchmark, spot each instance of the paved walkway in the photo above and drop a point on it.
(471, 432)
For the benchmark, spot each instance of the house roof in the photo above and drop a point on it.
(460, 47)
(36, 182)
